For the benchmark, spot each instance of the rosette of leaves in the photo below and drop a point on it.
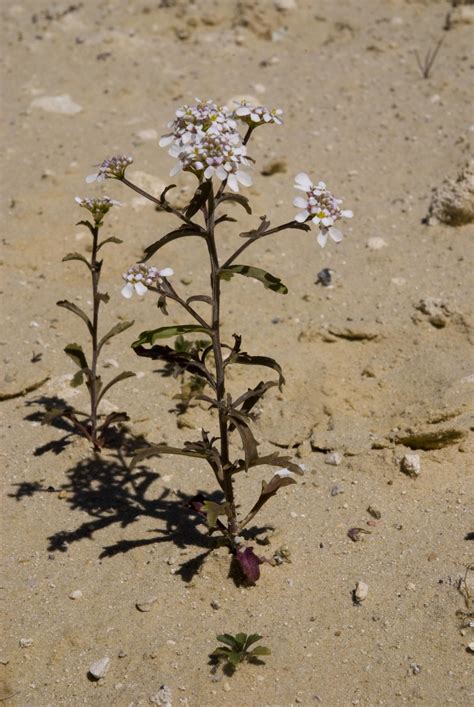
(236, 650)
(92, 424)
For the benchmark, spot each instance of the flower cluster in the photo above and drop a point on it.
(112, 168)
(98, 207)
(321, 207)
(258, 115)
(140, 277)
(205, 140)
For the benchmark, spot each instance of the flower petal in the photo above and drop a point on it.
(140, 288)
(302, 216)
(300, 202)
(233, 183)
(92, 178)
(244, 178)
(347, 213)
(166, 272)
(322, 238)
(335, 234)
(127, 290)
(302, 181)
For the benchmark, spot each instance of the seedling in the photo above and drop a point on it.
(236, 650)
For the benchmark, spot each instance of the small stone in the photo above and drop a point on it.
(333, 458)
(25, 642)
(148, 134)
(215, 604)
(98, 669)
(374, 512)
(146, 604)
(471, 647)
(162, 697)
(285, 5)
(415, 668)
(336, 490)
(411, 465)
(76, 594)
(376, 243)
(453, 202)
(122, 653)
(57, 104)
(227, 687)
(361, 591)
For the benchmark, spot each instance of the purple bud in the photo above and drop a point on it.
(249, 563)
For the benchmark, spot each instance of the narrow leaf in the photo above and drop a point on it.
(276, 460)
(76, 310)
(256, 232)
(199, 298)
(249, 443)
(253, 638)
(260, 650)
(269, 281)
(240, 639)
(121, 377)
(117, 329)
(158, 449)
(243, 358)
(222, 652)
(224, 218)
(112, 239)
(200, 197)
(88, 225)
(149, 337)
(184, 231)
(238, 199)
(228, 640)
(78, 379)
(165, 191)
(299, 226)
(77, 256)
(75, 352)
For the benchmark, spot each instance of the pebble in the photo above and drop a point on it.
(361, 591)
(162, 697)
(148, 134)
(374, 512)
(25, 642)
(76, 594)
(285, 5)
(376, 243)
(471, 647)
(215, 604)
(98, 669)
(336, 490)
(411, 465)
(333, 458)
(146, 604)
(57, 104)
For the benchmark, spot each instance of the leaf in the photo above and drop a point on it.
(260, 650)
(199, 298)
(249, 443)
(224, 218)
(165, 332)
(78, 379)
(243, 358)
(158, 449)
(269, 281)
(275, 459)
(161, 304)
(103, 297)
(76, 256)
(234, 658)
(75, 352)
(256, 232)
(213, 511)
(238, 199)
(253, 395)
(275, 483)
(112, 418)
(221, 652)
(249, 563)
(117, 329)
(184, 231)
(121, 377)
(299, 226)
(253, 638)
(228, 640)
(240, 639)
(92, 228)
(165, 191)
(112, 239)
(76, 310)
(200, 197)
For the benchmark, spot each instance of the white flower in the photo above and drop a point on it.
(111, 168)
(321, 207)
(140, 277)
(258, 115)
(205, 141)
(98, 206)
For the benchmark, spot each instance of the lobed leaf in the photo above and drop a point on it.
(238, 199)
(149, 337)
(76, 310)
(111, 239)
(269, 281)
(200, 197)
(243, 358)
(117, 329)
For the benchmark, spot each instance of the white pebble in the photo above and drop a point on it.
(76, 594)
(25, 642)
(146, 604)
(285, 5)
(411, 465)
(98, 669)
(471, 646)
(57, 104)
(333, 458)
(162, 697)
(376, 243)
(361, 591)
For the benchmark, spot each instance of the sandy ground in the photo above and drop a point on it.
(365, 368)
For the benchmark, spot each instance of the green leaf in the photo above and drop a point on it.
(271, 282)
(240, 639)
(238, 199)
(92, 228)
(78, 379)
(117, 329)
(220, 652)
(112, 239)
(253, 638)
(213, 511)
(260, 650)
(75, 352)
(76, 310)
(200, 197)
(275, 459)
(77, 256)
(165, 332)
(245, 359)
(121, 377)
(184, 231)
(234, 658)
(158, 449)
(249, 443)
(228, 639)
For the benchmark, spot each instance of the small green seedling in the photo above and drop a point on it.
(236, 649)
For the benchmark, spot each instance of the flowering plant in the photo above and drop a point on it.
(206, 140)
(90, 424)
